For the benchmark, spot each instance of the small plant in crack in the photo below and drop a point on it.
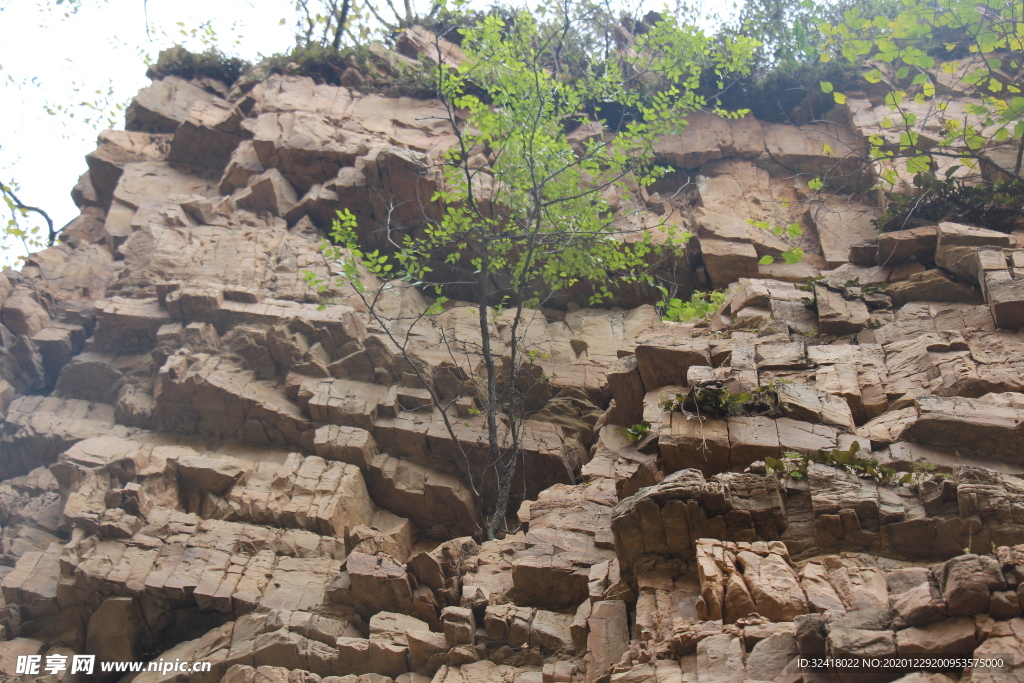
(795, 465)
(636, 432)
(713, 400)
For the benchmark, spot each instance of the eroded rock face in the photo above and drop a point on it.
(199, 461)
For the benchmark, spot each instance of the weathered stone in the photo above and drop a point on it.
(227, 469)
(115, 630)
(665, 360)
(690, 442)
(838, 315)
(966, 583)
(951, 636)
(268, 192)
(920, 605)
(773, 585)
(932, 285)
(22, 313)
(162, 106)
(608, 639)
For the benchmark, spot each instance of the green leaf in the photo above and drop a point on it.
(826, 87)
(919, 164)
(839, 97)
(766, 260)
(793, 256)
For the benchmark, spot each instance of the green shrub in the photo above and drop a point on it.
(795, 465)
(997, 206)
(381, 71)
(699, 306)
(712, 400)
(212, 63)
(789, 93)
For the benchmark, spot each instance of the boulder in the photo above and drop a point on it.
(664, 361)
(23, 314)
(949, 637)
(608, 638)
(932, 285)
(164, 105)
(268, 192)
(773, 585)
(459, 626)
(920, 605)
(967, 582)
(838, 315)
(115, 630)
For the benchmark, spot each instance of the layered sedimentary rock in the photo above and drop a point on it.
(201, 463)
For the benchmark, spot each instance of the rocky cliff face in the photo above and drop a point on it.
(198, 463)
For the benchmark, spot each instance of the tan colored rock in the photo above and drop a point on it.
(269, 192)
(243, 165)
(18, 647)
(608, 639)
(115, 630)
(814, 580)
(942, 637)
(459, 626)
(960, 235)
(841, 223)
(773, 585)
(1006, 299)
(904, 245)
(708, 137)
(920, 605)
(22, 313)
(932, 285)
(975, 427)
(771, 657)
(208, 136)
(966, 583)
(720, 658)
(694, 443)
(663, 361)
(627, 388)
(727, 262)
(752, 439)
(114, 150)
(163, 105)
(378, 584)
(837, 315)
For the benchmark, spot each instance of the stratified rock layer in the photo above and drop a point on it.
(200, 462)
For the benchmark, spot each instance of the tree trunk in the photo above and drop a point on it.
(342, 20)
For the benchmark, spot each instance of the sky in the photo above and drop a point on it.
(93, 61)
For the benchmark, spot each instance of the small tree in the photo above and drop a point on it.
(950, 73)
(524, 213)
(327, 23)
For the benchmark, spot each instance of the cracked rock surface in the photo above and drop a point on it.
(197, 462)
